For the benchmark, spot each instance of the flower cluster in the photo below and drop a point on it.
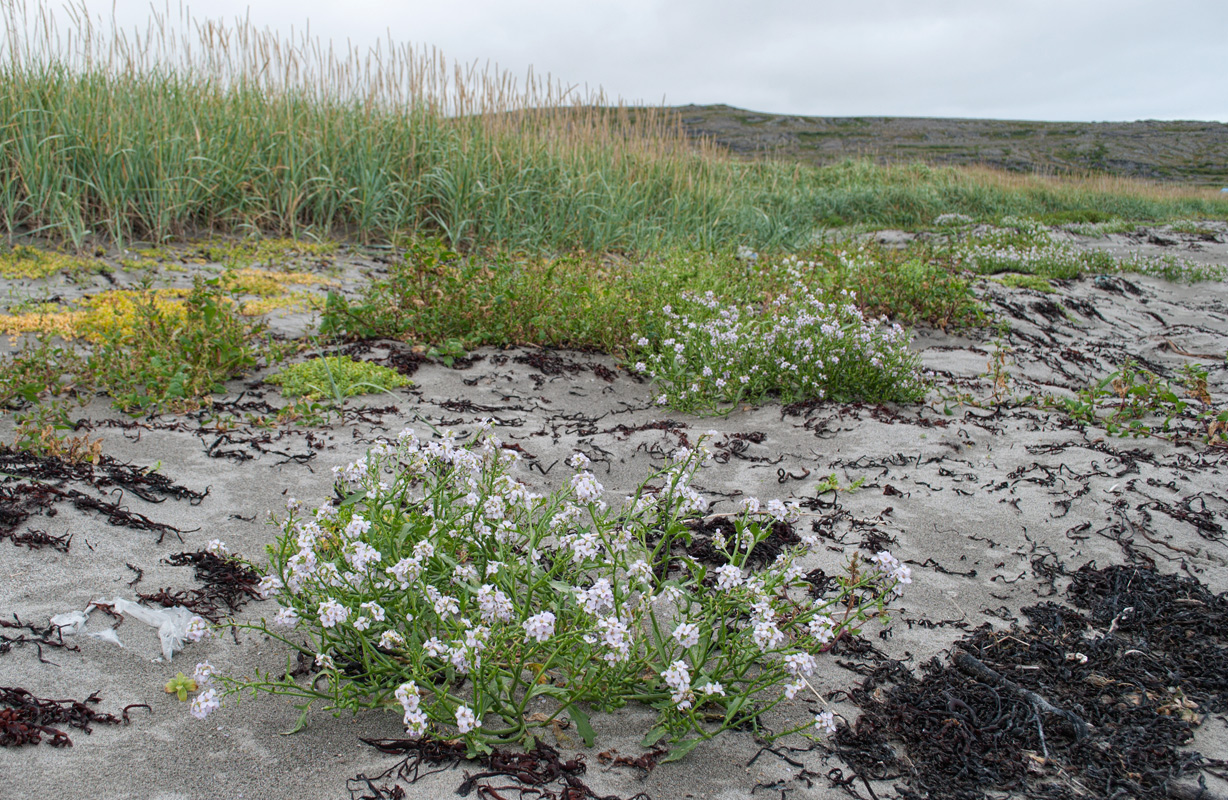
(798, 346)
(441, 564)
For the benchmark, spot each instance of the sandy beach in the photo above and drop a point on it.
(994, 504)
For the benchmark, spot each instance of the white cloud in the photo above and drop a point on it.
(1027, 59)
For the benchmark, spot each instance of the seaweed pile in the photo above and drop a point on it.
(227, 582)
(1092, 701)
(34, 484)
(26, 719)
(539, 773)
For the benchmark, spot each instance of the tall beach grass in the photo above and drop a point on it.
(191, 127)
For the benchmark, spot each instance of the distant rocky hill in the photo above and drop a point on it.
(1187, 152)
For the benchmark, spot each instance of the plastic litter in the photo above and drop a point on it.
(109, 635)
(71, 622)
(171, 623)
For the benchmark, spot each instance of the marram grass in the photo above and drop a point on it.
(201, 128)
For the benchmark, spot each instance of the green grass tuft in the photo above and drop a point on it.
(335, 376)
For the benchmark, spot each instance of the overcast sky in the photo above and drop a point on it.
(1002, 59)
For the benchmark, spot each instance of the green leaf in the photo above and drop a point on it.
(681, 749)
(302, 721)
(652, 737)
(582, 725)
(354, 498)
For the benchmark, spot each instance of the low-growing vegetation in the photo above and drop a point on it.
(446, 589)
(434, 583)
(33, 263)
(705, 355)
(335, 377)
(146, 351)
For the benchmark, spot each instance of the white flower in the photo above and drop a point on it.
(891, 571)
(217, 547)
(268, 585)
(415, 723)
(286, 618)
(357, 527)
(328, 575)
(597, 598)
(325, 661)
(822, 628)
(711, 688)
(434, 647)
(204, 704)
(540, 626)
(465, 719)
(678, 678)
(493, 604)
(203, 675)
(620, 540)
(687, 634)
(579, 461)
(750, 505)
(728, 577)
(196, 629)
(408, 695)
(586, 487)
(793, 688)
(443, 604)
(361, 555)
(405, 571)
(494, 507)
(331, 613)
(475, 638)
(391, 640)
(361, 623)
(640, 571)
(463, 574)
(617, 637)
(825, 722)
(424, 550)
(459, 658)
(586, 545)
(767, 635)
(374, 609)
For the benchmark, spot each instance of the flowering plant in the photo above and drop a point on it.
(438, 584)
(705, 354)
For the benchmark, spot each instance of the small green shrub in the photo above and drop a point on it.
(1136, 402)
(41, 369)
(335, 377)
(174, 356)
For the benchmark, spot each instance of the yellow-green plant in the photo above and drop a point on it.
(336, 377)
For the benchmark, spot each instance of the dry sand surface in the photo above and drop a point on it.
(995, 507)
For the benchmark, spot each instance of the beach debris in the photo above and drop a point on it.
(49, 636)
(539, 773)
(176, 626)
(26, 719)
(228, 582)
(1014, 712)
(34, 484)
